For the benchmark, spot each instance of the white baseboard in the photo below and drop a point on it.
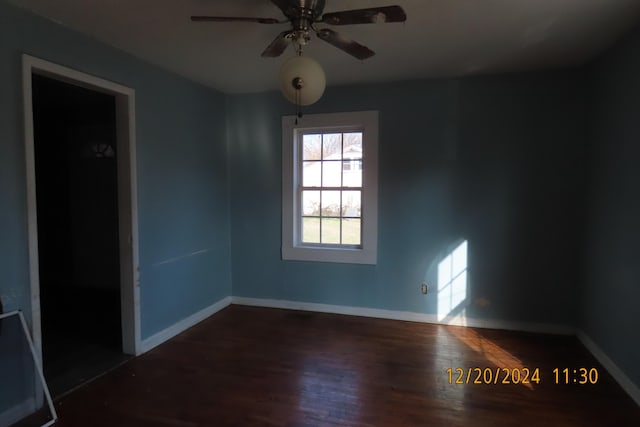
(165, 335)
(17, 412)
(405, 315)
(625, 382)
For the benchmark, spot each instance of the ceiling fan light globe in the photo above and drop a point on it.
(302, 69)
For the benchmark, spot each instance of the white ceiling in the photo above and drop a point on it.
(440, 37)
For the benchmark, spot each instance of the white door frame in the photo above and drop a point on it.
(127, 195)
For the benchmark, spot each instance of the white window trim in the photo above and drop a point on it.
(292, 248)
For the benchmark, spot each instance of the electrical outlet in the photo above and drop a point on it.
(424, 288)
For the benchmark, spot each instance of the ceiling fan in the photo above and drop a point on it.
(304, 14)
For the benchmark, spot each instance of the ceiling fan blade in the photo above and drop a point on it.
(351, 47)
(278, 45)
(284, 5)
(374, 15)
(235, 19)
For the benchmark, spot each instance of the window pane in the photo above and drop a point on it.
(311, 203)
(332, 146)
(351, 232)
(352, 173)
(331, 174)
(351, 203)
(331, 203)
(311, 230)
(331, 230)
(311, 147)
(311, 174)
(352, 145)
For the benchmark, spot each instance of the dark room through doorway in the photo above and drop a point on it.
(78, 242)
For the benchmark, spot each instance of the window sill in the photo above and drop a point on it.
(336, 255)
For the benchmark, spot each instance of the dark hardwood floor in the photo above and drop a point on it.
(262, 367)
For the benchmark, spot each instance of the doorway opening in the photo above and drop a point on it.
(82, 223)
(77, 207)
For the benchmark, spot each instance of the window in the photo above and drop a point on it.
(330, 187)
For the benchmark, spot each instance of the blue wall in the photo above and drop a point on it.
(612, 270)
(499, 161)
(182, 172)
(494, 160)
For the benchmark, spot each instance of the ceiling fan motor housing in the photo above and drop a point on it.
(303, 13)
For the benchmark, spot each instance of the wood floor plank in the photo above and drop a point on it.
(249, 366)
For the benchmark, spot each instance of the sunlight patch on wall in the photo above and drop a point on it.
(452, 280)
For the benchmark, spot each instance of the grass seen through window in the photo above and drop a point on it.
(311, 231)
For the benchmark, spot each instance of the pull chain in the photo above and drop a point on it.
(298, 106)
(298, 84)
